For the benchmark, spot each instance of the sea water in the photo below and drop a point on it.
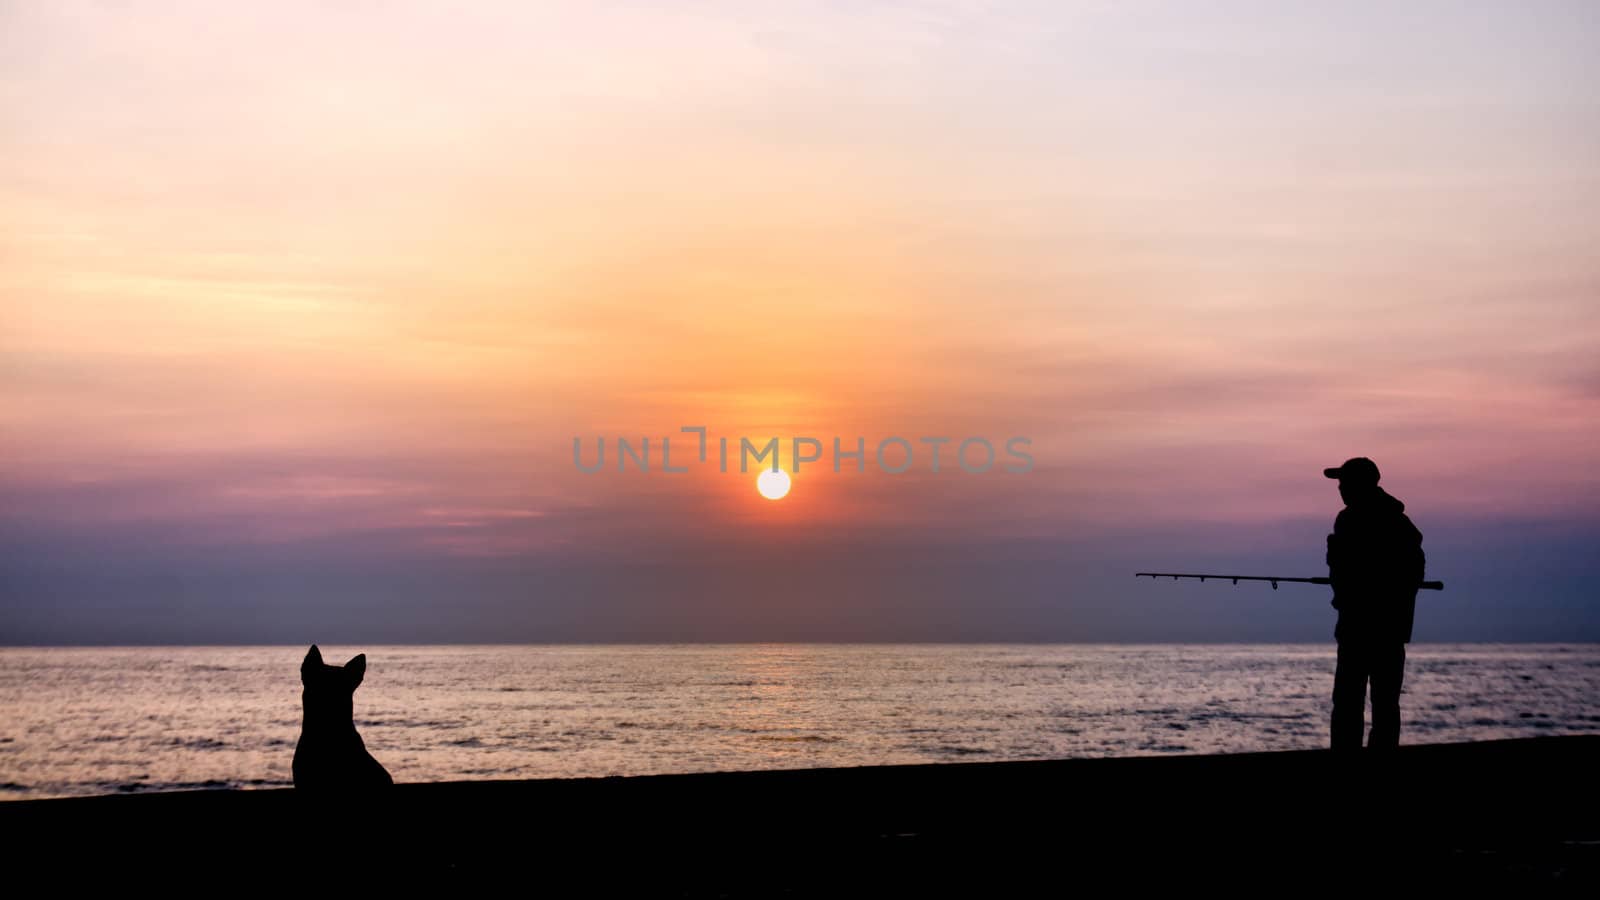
(108, 720)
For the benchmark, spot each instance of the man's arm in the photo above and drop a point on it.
(1417, 561)
(1337, 551)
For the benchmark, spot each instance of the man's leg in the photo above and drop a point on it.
(1349, 695)
(1388, 671)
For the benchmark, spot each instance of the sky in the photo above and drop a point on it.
(302, 307)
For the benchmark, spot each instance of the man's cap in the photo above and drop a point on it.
(1359, 469)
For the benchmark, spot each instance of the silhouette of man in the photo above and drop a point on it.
(1375, 563)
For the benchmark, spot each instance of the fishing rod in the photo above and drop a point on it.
(1426, 585)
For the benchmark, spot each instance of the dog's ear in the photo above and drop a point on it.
(356, 669)
(313, 661)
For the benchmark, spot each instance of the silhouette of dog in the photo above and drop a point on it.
(330, 756)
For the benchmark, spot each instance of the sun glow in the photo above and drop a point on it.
(773, 485)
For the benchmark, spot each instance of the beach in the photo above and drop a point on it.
(1498, 815)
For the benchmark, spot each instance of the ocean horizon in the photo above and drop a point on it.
(97, 720)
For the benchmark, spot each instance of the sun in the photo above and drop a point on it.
(773, 485)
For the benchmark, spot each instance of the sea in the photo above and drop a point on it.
(105, 720)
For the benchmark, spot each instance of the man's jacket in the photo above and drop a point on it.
(1375, 561)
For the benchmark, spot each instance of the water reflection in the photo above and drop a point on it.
(89, 720)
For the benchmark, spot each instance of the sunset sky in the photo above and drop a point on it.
(302, 306)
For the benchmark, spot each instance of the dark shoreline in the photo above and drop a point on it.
(1513, 814)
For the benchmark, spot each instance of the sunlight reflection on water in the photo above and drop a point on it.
(98, 720)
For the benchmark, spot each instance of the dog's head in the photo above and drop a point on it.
(328, 689)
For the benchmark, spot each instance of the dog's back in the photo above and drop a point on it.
(330, 755)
